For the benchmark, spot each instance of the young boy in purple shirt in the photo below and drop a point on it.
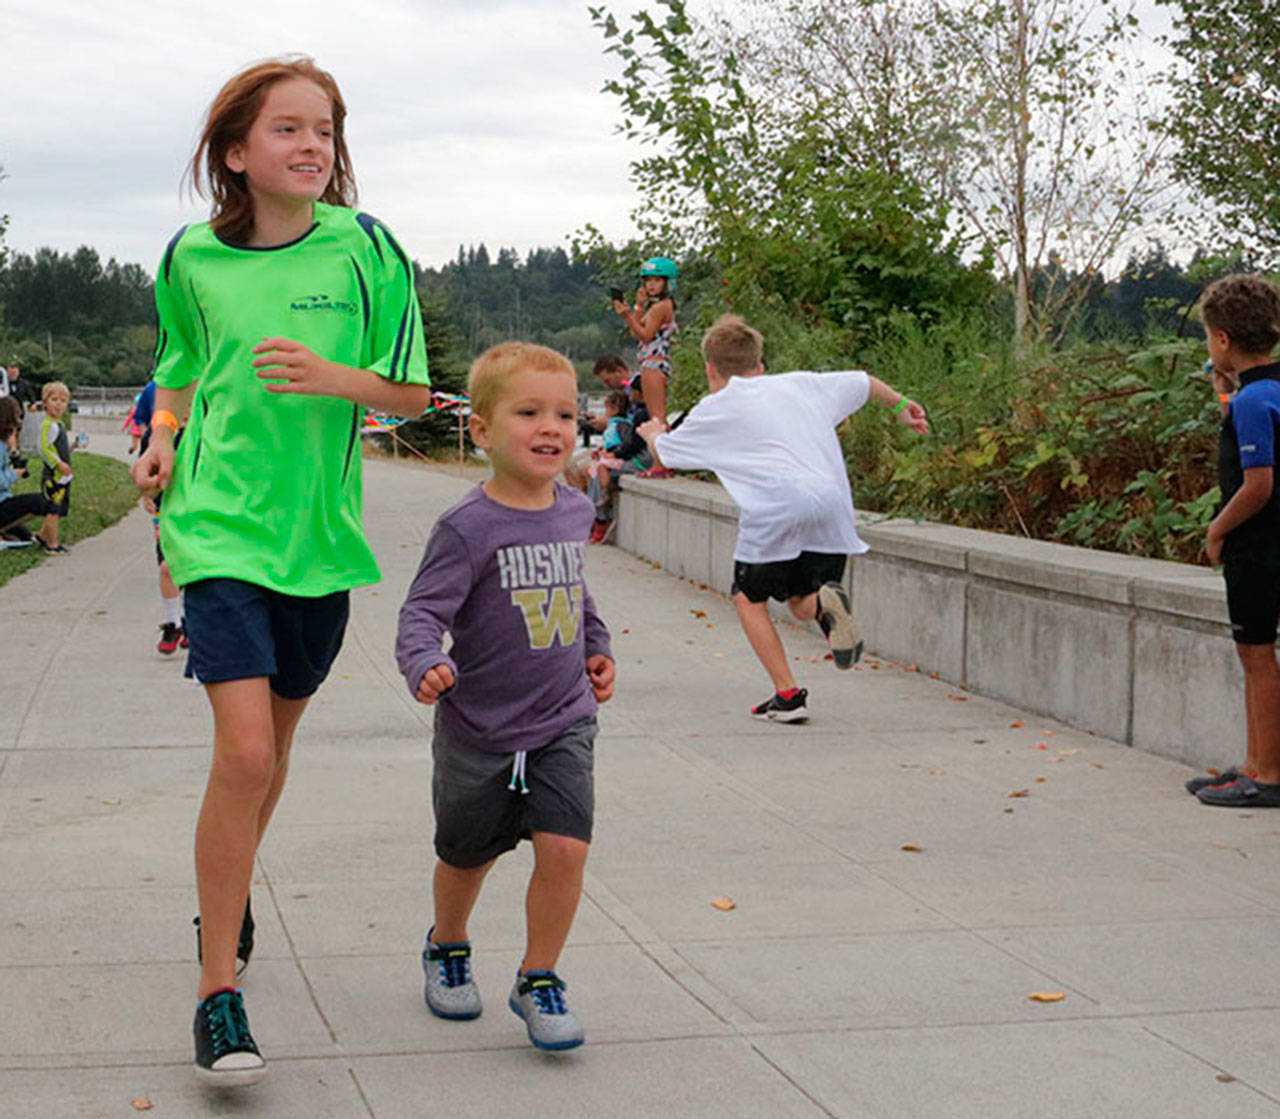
(516, 694)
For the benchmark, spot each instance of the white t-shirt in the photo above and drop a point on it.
(771, 440)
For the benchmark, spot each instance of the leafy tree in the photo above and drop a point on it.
(792, 210)
(1225, 112)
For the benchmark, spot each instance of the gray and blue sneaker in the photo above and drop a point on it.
(836, 620)
(538, 998)
(450, 991)
(226, 1054)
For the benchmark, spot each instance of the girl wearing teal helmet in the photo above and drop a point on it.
(652, 323)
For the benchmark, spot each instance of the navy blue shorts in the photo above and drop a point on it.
(239, 630)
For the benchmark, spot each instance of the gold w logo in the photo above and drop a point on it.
(547, 620)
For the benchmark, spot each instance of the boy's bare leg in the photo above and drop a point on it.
(48, 531)
(240, 780)
(455, 890)
(1262, 711)
(552, 900)
(764, 639)
(804, 607)
(654, 386)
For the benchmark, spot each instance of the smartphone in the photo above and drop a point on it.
(616, 295)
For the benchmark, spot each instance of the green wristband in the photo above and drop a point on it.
(899, 406)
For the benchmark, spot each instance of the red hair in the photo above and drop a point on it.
(227, 124)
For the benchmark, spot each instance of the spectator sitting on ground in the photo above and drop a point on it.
(623, 452)
(15, 508)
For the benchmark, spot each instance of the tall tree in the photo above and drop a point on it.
(1225, 112)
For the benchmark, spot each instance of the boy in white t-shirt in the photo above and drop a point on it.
(773, 444)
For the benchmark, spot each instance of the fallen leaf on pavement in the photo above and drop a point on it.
(1020, 793)
(1068, 753)
(724, 904)
(937, 773)
(1047, 996)
(910, 847)
(958, 698)
(1041, 780)
(1225, 1078)
(142, 1104)
(1017, 723)
(698, 613)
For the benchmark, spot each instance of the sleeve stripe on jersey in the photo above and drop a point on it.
(168, 252)
(367, 223)
(364, 290)
(208, 347)
(162, 343)
(395, 354)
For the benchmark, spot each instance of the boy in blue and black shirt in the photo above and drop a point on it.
(1241, 317)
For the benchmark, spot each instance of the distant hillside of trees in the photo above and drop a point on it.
(72, 316)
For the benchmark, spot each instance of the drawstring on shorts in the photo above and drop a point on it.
(517, 782)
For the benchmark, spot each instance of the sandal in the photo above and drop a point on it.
(52, 549)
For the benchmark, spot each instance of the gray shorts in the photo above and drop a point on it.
(479, 815)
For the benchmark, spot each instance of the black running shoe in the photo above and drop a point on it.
(244, 949)
(781, 710)
(226, 1053)
(836, 620)
(170, 636)
(1195, 784)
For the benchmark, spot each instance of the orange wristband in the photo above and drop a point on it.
(1224, 398)
(165, 418)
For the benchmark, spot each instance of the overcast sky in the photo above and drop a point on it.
(468, 120)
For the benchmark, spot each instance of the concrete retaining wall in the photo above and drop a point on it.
(1137, 650)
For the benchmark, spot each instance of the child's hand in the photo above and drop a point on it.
(434, 683)
(149, 504)
(1213, 547)
(651, 429)
(151, 472)
(64, 468)
(620, 307)
(302, 370)
(601, 671)
(914, 417)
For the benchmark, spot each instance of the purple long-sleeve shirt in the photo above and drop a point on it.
(509, 586)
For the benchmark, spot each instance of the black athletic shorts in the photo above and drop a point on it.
(785, 579)
(1253, 597)
(239, 630)
(56, 492)
(481, 807)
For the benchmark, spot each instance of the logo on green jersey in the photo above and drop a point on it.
(322, 303)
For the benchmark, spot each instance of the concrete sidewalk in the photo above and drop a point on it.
(908, 868)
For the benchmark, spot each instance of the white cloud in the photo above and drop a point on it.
(468, 121)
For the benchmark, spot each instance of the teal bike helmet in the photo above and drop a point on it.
(661, 266)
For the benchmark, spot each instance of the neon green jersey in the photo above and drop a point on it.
(266, 487)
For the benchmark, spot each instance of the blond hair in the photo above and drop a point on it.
(50, 387)
(491, 371)
(732, 347)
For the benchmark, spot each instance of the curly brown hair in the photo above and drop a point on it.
(227, 124)
(1247, 309)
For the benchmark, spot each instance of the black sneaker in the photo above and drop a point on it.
(170, 635)
(781, 710)
(1195, 784)
(226, 1054)
(244, 949)
(836, 620)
